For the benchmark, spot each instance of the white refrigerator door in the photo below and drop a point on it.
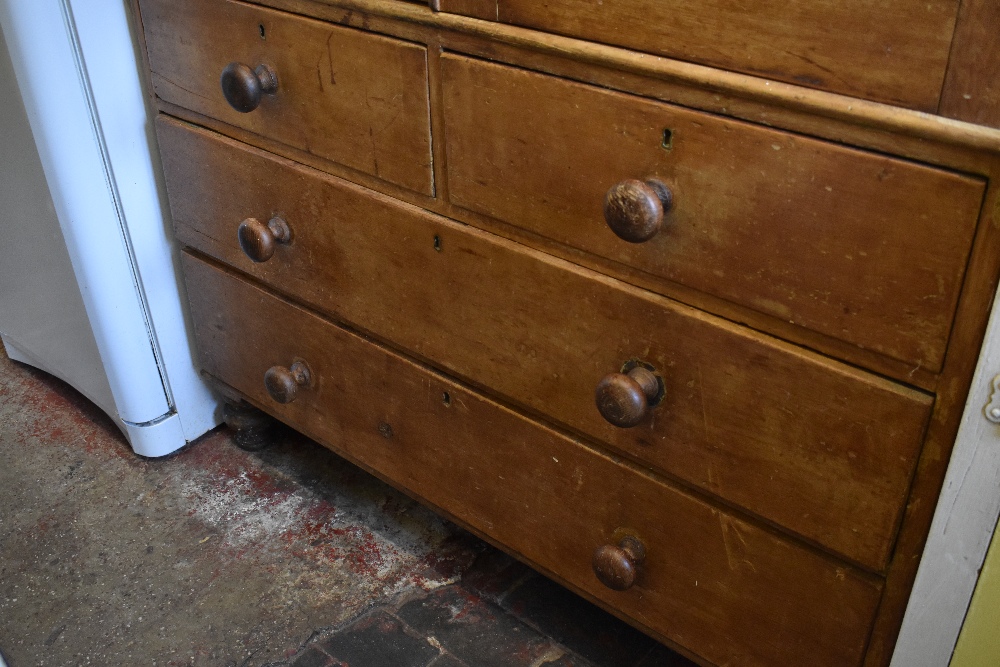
(76, 68)
(43, 321)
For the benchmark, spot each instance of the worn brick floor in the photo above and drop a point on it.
(498, 614)
(219, 557)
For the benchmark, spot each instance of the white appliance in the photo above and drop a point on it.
(90, 290)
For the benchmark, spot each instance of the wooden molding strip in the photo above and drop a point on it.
(829, 105)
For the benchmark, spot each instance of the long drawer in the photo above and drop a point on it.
(861, 247)
(810, 444)
(713, 583)
(330, 99)
(890, 50)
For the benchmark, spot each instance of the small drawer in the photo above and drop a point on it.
(890, 51)
(813, 445)
(860, 247)
(329, 100)
(714, 583)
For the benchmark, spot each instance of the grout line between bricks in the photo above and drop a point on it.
(517, 583)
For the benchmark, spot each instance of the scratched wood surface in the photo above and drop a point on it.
(881, 128)
(892, 50)
(971, 89)
(330, 100)
(889, 130)
(812, 445)
(963, 525)
(719, 585)
(861, 247)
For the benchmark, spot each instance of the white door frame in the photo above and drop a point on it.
(963, 525)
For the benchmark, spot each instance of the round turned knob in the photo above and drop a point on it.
(634, 209)
(257, 240)
(244, 87)
(624, 400)
(283, 383)
(617, 566)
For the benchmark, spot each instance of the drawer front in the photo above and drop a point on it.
(330, 100)
(808, 443)
(712, 582)
(863, 248)
(891, 51)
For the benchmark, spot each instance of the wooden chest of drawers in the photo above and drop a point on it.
(692, 342)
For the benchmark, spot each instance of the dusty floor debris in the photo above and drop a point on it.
(212, 556)
(219, 557)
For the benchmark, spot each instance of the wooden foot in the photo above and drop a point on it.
(254, 430)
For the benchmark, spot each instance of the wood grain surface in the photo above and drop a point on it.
(972, 89)
(810, 444)
(896, 130)
(886, 130)
(332, 99)
(952, 392)
(862, 247)
(714, 583)
(964, 523)
(891, 50)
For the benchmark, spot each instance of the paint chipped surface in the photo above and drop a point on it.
(212, 556)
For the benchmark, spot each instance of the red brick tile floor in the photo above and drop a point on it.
(290, 556)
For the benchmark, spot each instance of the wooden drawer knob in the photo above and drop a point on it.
(257, 240)
(624, 399)
(634, 209)
(283, 383)
(244, 87)
(617, 566)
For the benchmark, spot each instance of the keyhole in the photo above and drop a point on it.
(437, 243)
(262, 34)
(668, 139)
